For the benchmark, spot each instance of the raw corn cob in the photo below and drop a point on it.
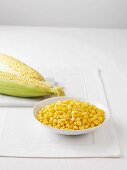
(18, 79)
(11, 84)
(12, 65)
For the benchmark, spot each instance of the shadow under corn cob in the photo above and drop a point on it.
(23, 81)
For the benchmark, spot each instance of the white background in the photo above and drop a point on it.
(70, 47)
(39, 47)
(79, 13)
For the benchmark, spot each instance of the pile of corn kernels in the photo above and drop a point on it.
(71, 115)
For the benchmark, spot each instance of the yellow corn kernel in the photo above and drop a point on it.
(93, 112)
(84, 120)
(81, 127)
(95, 117)
(91, 115)
(100, 119)
(45, 122)
(96, 122)
(62, 124)
(63, 127)
(89, 120)
(66, 122)
(55, 121)
(86, 126)
(78, 123)
(58, 126)
(92, 125)
(76, 127)
(72, 119)
(77, 119)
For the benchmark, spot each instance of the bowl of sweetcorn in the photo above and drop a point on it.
(70, 115)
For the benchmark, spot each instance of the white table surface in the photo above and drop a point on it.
(68, 47)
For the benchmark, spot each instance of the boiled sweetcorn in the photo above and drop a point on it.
(71, 115)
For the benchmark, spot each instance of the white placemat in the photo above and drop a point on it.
(22, 136)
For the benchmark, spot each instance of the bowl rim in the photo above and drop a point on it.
(36, 106)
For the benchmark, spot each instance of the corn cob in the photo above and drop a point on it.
(14, 85)
(12, 65)
(18, 79)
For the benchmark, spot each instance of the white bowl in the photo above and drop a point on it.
(45, 102)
